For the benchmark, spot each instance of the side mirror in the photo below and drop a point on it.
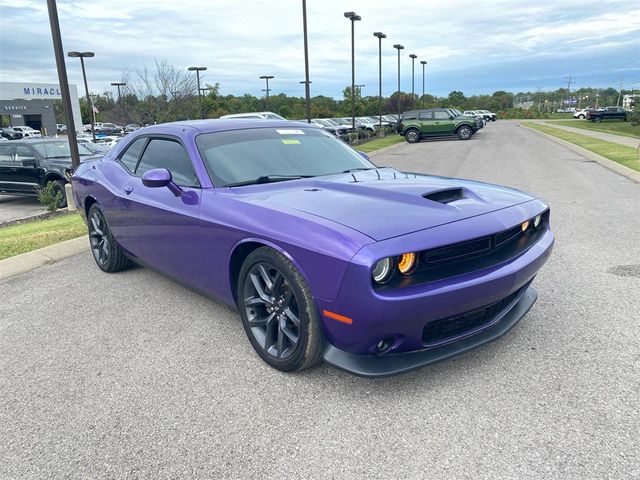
(363, 155)
(451, 117)
(160, 177)
(28, 162)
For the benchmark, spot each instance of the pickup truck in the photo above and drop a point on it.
(609, 113)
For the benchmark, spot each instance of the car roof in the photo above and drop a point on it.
(221, 125)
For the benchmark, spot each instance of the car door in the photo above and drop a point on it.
(28, 172)
(8, 170)
(155, 225)
(442, 123)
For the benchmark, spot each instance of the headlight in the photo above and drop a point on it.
(525, 225)
(407, 263)
(537, 220)
(383, 270)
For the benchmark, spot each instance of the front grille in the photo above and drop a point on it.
(440, 330)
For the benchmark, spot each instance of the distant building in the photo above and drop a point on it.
(629, 101)
(31, 104)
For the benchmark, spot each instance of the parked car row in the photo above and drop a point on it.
(415, 125)
(19, 132)
(599, 114)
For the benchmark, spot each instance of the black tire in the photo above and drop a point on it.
(597, 119)
(464, 132)
(59, 186)
(106, 252)
(279, 316)
(581, 117)
(412, 135)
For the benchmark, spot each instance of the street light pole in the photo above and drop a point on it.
(307, 82)
(354, 18)
(198, 70)
(398, 47)
(424, 63)
(82, 56)
(64, 82)
(118, 84)
(413, 73)
(380, 36)
(266, 78)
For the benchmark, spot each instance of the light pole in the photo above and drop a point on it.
(64, 81)
(266, 78)
(198, 70)
(82, 56)
(307, 105)
(424, 63)
(413, 73)
(380, 36)
(398, 47)
(118, 84)
(307, 82)
(354, 18)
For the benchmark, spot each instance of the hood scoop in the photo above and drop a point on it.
(446, 195)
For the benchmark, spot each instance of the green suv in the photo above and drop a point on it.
(436, 122)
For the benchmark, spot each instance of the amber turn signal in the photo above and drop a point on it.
(407, 263)
(525, 226)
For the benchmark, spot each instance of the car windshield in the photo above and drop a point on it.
(273, 116)
(58, 149)
(324, 123)
(249, 156)
(342, 121)
(333, 123)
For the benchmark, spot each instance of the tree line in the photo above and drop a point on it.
(168, 94)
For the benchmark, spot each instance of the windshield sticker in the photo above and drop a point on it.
(291, 142)
(290, 132)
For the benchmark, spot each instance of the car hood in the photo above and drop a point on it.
(385, 203)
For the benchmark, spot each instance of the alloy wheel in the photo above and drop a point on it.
(272, 310)
(98, 238)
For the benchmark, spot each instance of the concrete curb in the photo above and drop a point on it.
(43, 256)
(605, 162)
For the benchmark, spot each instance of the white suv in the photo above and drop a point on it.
(581, 113)
(255, 115)
(27, 132)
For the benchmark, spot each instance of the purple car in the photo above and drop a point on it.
(326, 256)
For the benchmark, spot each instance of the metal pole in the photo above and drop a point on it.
(64, 83)
(199, 94)
(89, 101)
(424, 64)
(380, 79)
(413, 74)
(307, 90)
(353, 77)
(267, 93)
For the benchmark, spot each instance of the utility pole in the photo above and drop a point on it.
(569, 80)
(620, 92)
(307, 82)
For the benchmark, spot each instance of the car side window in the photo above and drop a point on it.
(426, 115)
(410, 116)
(24, 153)
(440, 115)
(6, 153)
(169, 154)
(130, 157)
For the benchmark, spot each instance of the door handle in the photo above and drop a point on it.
(128, 189)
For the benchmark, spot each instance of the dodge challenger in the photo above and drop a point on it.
(325, 255)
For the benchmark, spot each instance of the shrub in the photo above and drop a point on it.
(50, 196)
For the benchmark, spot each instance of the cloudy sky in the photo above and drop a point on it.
(476, 47)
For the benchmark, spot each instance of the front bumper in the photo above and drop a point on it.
(393, 364)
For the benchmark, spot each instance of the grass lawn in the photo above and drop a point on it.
(22, 238)
(617, 128)
(379, 143)
(627, 156)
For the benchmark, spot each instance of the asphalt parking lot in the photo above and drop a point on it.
(14, 207)
(133, 376)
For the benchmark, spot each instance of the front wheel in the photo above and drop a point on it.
(597, 120)
(412, 135)
(581, 117)
(278, 312)
(106, 252)
(464, 132)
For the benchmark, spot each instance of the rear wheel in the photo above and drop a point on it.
(412, 135)
(581, 116)
(59, 187)
(278, 312)
(106, 252)
(464, 132)
(597, 120)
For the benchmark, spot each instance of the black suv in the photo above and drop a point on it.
(436, 122)
(28, 164)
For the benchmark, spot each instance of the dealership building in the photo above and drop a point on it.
(31, 104)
